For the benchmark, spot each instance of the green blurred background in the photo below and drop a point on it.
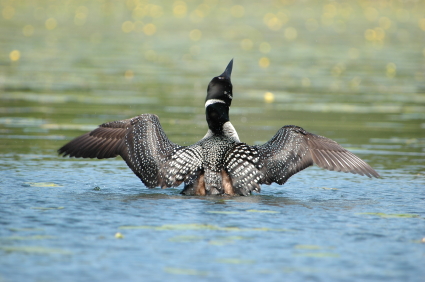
(353, 71)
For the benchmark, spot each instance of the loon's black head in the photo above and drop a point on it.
(220, 87)
(219, 99)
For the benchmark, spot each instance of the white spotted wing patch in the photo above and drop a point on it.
(214, 149)
(184, 165)
(243, 165)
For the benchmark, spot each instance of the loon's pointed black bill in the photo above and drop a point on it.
(228, 71)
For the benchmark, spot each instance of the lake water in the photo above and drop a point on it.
(352, 71)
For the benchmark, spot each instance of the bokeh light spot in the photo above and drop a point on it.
(391, 70)
(129, 74)
(127, 26)
(421, 24)
(290, 33)
(329, 13)
(139, 12)
(353, 53)
(380, 33)
(81, 15)
(8, 12)
(28, 30)
(150, 55)
(149, 29)
(200, 13)
(51, 23)
(272, 21)
(156, 11)
(180, 9)
(265, 47)
(345, 10)
(203, 10)
(330, 10)
(80, 19)
(15, 55)
(82, 9)
(385, 23)
(371, 14)
(268, 97)
(370, 34)
(131, 4)
(337, 70)
(402, 15)
(355, 82)
(195, 35)
(246, 44)
(237, 11)
(305, 82)
(326, 20)
(264, 62)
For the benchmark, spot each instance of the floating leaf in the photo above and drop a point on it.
(186, 239)
(42, 184)
(226, 240)
(307, 247)
(300, 269)
(219, 242)
(325, 188)
(421, 241)
(183, 271)
(392, 215)
(235, 261)
(25, 229)
(224, 212)
(233, 238)
(118, 235)
(262, 211)
(318, 255)
(35, 237)
(34, 250)
(47, 209)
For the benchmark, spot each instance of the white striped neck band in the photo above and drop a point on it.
(213, 101)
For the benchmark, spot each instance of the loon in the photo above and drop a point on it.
(218, 164)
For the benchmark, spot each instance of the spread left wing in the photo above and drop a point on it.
(142, 143)
(291, 150)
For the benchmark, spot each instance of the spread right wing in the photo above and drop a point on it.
(291, 150)
(142, 143)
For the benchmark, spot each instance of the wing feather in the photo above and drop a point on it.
(142, 143)
(291, 150)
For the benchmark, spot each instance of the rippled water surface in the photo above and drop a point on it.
(353, 71)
